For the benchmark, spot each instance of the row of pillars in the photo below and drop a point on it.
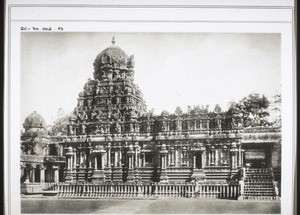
(79, 157)
(137, 159)
(30, 173)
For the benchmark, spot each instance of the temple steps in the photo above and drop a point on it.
(258, 185)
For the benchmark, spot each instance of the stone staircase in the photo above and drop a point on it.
(259, 185)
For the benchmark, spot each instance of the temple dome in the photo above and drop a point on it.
(113, 57)
(115, 52)
(34, 120)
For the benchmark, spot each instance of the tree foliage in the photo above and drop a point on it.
(253, 109)
(217, 109)
(59, 126)
(275, 110)
(197, 109)
(178, 111)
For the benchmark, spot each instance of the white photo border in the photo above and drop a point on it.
(143, 17)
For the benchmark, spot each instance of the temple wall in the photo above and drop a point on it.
(276, 155)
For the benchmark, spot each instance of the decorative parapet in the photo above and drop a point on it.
(55, 159)
(32, 158)
(261, 137)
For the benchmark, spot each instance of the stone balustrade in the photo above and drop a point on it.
(154, 190)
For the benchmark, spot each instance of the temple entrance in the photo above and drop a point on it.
(198, 160)
(37, 175)
(257, 157)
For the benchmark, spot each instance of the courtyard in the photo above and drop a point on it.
(147, 206)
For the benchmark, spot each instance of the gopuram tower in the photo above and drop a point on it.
(104, 124)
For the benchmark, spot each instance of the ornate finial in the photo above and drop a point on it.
(113, 41)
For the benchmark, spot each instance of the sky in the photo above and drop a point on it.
(171, 69)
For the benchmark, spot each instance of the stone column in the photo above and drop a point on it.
(27, 173)
(172, 157)
(108, 156)
(56, 174)
(42, 173)
(136, 157)
(120, 159)
(130, 176)
(213, 155)
(242, 159)
(69, 174)
(90, 157)
(239, 155)
(216, 157)
(116, 159)
(33, 174)
(136, 167)
(108, 170)
(96, 162)
(176, 156)
(61, 151)
(203, 158)
(234, 152)
(143, 160)
(194, 160)
(75, 159)
(80, 156)
(102, 161)
(225, 149)
(163, 176)
(184, 157)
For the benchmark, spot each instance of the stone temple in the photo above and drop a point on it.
(112, 139)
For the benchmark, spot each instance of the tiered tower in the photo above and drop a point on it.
(112, 102)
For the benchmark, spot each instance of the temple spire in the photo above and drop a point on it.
(113, 41)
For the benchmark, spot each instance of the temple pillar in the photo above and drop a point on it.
(96, 162)
(75, 159)
(27, 173)
(234, 161)
(108, 162)
(203, 158)
(81, 156)
(163, 175)
(172, 157)
(225, 151)
(56, 173)
(216, 157)
(22, 170)
(136, 162)
(143, 159)
(90, 157)
(242, 158)
(239, 164)
(194, 161)
(120, 159)
(130, 177)
(184, 156)
(42, 173)
(69, 174)
(175, 157)
(213, 156)
(32, 174)
(109, 155)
